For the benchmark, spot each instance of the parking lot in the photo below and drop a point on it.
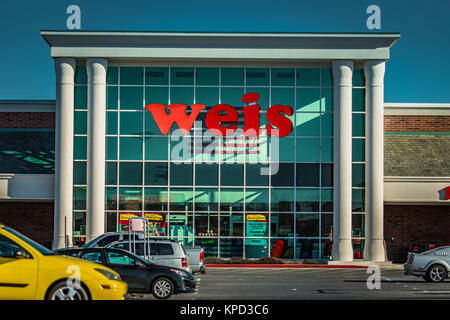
(311, 283)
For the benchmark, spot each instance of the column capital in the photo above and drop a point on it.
(374, 72)
(96, 70)
(65, 70)
(343, 72)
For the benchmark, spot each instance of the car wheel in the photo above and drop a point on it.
(436, 273)
(162, 288)
(64, 291)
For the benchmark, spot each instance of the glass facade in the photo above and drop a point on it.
(221, 200)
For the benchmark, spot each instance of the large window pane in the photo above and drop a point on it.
(157, 76)
(308, 77)
(308, 124)
(156, 173)
(308, 150)
(180, 174)
(79, 172)
(232, 174)
(282, 199)
(308, 99)
(358, 125)
(156, 199)
(284, 176)
(358, 175)
(181, 199)
(207, 96)
(130, 173)
(358, 150)
(254, 177)
(182, 226)
(131, 98)
(257, 76)
(232, 96)
(256, 199)
(111, 173)
(263, 97)
(308, 174)
(111, 148)
(156, 148)
(131, 75)
(256, 248)
(206, 199)
(327, 174)
(112, 98)
(112, 75)
(207, 76)
(358, 100)
(209, 245)
(231, 200)
(232, 76)
(282, 225)
(283, 77)
(111, 122)
(182, 76)
(327, 200)
(80, 97)
(131, 123)
(206, 225)
(156, 95)
(79, 198)
(206, 174)
(80, 148)
(231, 224)
(80, 122)
(130, 148)
(231, 248)
(358, 200)
(327, 124)
(307, 249)
(307, 225)
(307, 200)
(183, 95)
(130, 199)
(283, 96)
(111, 198)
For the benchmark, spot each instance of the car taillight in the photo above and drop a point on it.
(202, 256)
(411, 259)
(184, 262)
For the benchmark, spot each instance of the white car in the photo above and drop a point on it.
(433, 265)
(163, 252)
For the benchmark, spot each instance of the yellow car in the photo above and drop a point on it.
(31, 271)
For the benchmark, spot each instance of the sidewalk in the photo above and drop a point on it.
(305, 266)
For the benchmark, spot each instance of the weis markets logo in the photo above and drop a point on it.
(221, 119)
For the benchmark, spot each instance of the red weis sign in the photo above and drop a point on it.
(222, 118)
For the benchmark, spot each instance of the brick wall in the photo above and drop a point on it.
(27, 120)
(417, 155)
(417, 123)
(414, 225)
(33, 219)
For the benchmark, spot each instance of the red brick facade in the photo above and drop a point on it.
(33, 219)
(417, 123)
(27, 120)
(414, 225)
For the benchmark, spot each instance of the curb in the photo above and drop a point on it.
(304, 266)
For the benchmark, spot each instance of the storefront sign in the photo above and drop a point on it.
(256, 226)
(224, 114)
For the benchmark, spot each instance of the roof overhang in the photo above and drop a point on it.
(220, 46)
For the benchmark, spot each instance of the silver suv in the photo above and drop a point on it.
(162, 251)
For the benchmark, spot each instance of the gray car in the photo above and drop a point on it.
(433, 265)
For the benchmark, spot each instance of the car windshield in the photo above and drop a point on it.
(43, 250)
(90, 243)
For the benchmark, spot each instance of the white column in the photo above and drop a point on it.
(374, 243)
(342, 218)
(65, 71)
(95, 216)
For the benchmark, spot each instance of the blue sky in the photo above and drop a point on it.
(419, 69)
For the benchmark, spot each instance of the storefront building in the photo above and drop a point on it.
(115, 156)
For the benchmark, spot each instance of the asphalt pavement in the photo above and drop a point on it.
(315, 283)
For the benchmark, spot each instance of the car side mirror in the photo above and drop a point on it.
(138, 264)
(20, 254)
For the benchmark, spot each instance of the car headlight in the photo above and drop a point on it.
(108, 274)
(181, 273)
